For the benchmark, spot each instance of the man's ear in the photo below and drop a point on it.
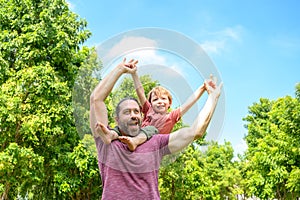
(116, 119)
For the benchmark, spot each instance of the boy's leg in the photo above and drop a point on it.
(110, 134)
(145, 134)
(133, 142)
(149, 131)
(115, 135)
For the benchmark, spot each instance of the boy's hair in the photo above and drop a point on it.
(158, 91)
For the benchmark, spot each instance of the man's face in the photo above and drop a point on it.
(129, 118)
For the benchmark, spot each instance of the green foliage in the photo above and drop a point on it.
(293, 182)
(20, 168)
(81, 180)
(39, 57)
(198, 174)
(33, 107)
(40, 32)
(298, 91)
(87, 79)
(89, 142)
(273, 154)
(36, 113)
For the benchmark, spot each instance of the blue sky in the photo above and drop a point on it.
(255, 45)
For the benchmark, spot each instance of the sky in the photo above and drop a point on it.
(253, 45)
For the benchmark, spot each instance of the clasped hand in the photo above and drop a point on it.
(129, 67)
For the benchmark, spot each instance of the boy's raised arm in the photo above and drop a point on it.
(139, 88)
(192, 100)
(196, 95)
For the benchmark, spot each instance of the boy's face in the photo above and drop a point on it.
(129, 118)
(160, 104)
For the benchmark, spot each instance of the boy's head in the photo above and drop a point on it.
(159, 92)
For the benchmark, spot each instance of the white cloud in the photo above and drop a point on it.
(232, 33)
(147, 56)
(168, 64)
(213, 46)
(145, 51)
(220, 40)
(139, 48)
(130, 45)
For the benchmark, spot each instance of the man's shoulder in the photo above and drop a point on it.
(157, 143)
(160, 138)
(157, 139)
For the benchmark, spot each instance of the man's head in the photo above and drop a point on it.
(128, 116)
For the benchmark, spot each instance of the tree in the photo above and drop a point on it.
(87, 78)
(298, 91)
(273, 154)
(201, 175)
(15, 159)
(40, 55)
(81, 178)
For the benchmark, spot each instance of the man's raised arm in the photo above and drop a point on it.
(183, 137)
(98, 110)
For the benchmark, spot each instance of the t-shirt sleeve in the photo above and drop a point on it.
(164, 141)
(146, 107)
(175, 115)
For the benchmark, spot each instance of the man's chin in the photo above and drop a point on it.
(130, 130)
(134, 131)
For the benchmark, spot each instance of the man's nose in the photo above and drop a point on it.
(133, 115)
(133, 118)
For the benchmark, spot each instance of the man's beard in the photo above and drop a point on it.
(129, 129)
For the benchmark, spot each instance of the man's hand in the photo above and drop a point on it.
(212, 87)
(129, 67)
(211, 82)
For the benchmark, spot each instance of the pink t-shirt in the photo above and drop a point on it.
(131, 175)
(164, 123)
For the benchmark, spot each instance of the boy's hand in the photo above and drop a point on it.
(129, 67)
(211, 82)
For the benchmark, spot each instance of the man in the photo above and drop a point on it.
(134, 175)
